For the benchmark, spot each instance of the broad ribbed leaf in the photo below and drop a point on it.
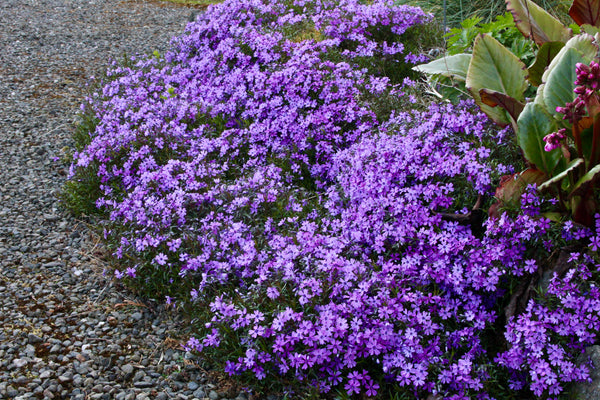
(534, 123)
(583, 184)
(583, 43)
(535, 23)
(495, 99)
(455, 66)
(544, 57)
(539, 98)
(494, 68)
(585, 12)
(559, 87)
(560, 76)
(573, 165)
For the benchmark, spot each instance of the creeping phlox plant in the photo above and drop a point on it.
(316, 242)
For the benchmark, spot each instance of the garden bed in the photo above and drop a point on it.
(279, 175)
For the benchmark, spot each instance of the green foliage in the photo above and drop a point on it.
(448, 74)
(502, 28)
(560, 75)
(495, 69)
(80, 193)
(537, 24)
(518, 46)
(570, 180)
(545, 55)
(534, 123)
(459, 10)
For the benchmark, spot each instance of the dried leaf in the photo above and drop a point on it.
(585, 12)
(510, 104)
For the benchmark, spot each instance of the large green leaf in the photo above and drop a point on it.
(544, 57)
(585, 12)
(559, 87)
(583, 43)
(495, 68)
(590, 29)
(535, 23)
(539, 98)
(455, 66)
(573, 165)
(560, 76)
(534, 123)
(583, 184)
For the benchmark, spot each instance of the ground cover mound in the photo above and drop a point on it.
(319, 243)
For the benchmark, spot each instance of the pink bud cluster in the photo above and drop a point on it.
(587, 75)
(573, 111)
(586, 85)
(554, 139)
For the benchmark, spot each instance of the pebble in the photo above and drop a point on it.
(127, 369)
(137, 316)
(33, 339)
(46, 374)
(11, 391)
(19, 362)
(139, 375)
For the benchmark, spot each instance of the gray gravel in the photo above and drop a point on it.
(67, 331)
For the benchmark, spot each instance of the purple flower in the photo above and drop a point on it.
(354, 383)
(160, 259)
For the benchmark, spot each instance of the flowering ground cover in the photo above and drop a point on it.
(274, 176)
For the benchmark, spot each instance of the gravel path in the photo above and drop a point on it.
(65, 330)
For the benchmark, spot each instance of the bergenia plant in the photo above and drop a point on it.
(579, 145)
(559, 116)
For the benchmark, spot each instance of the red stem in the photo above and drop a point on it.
(595, 142)
(577, 137)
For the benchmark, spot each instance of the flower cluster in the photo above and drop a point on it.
(555, 139)
(586, 88)
(235, 101)
(379, 276)
(319, 242)
(549, 337)
(571, 311)
(588, 79)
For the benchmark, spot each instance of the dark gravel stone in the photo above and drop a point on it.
(33, 339)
